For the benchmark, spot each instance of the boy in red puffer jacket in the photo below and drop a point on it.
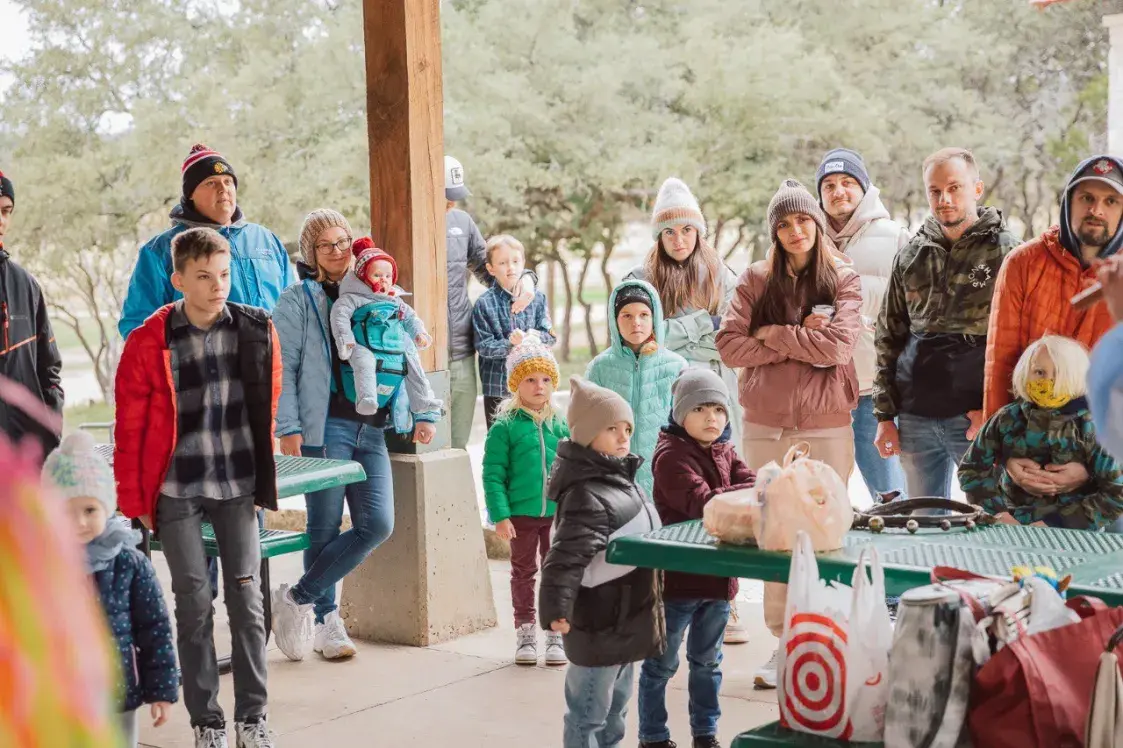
(693, 461)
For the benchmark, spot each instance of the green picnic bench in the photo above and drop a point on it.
(295, 476)
(1095, 561)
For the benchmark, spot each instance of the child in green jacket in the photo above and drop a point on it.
(638, 367)
(518, 454)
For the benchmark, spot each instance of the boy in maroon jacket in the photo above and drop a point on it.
(693, 461)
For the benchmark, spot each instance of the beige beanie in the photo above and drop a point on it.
(317, 222)
(592, 409)
(793, 197)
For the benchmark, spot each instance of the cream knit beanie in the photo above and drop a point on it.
(317, 222)
(592, 409)
(76, 469)
(675, 206)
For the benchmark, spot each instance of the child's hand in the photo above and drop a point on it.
(291, 444)
(526, 295)
(345, 351)
(975, 422)
(1005, 518)
(146, 520)
(505, 529)
(161, 710)
(517, 337)
(423, 341)
(424, 432)
(561, 626)
(1038, 523)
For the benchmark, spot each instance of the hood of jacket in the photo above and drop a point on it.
(1068, 237)
(576, 464)
(656, 313)
(989, 225)
(870, 209)
(184, 214)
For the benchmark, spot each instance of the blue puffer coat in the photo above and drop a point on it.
(134, 605)
(644, 381)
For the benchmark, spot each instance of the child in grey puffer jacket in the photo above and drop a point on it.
(373, 280)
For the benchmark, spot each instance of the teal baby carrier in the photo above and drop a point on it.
(378, 327)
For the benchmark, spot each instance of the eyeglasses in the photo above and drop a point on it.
(338, 248)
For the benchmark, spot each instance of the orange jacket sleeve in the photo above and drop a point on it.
(278, 377)
(1004, 345)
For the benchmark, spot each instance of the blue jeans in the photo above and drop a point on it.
(596, 701)
(881, 475)
(931, 449)
(706, 620)
(332, 555)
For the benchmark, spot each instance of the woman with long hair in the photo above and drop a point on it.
(694, 285)
(792, 326)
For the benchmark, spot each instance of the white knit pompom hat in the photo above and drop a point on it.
(675, 206)
(76, 469)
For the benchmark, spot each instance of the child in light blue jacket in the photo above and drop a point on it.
(638, 367)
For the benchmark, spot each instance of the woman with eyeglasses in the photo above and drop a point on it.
(315, 419)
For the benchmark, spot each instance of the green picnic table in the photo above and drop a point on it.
(1094, 559)
(295, 476)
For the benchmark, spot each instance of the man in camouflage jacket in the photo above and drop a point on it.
(931, 332)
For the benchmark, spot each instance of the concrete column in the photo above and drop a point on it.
(430, 581)
(1114, 24)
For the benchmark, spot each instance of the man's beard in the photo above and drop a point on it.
(953, 222)
(1093, 235)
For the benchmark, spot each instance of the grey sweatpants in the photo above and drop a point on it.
(179, 523)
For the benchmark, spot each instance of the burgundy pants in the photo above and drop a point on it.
(528, 550)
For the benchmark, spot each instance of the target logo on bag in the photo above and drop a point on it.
(813, 677)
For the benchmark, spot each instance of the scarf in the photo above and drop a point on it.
(101, 551)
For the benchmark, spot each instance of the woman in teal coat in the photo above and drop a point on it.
(637, 366)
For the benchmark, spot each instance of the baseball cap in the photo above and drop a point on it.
(454, 180)
(1103, 170)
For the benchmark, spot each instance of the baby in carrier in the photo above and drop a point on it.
(379, 334)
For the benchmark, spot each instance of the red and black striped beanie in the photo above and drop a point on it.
(7, 189)
(202, 162)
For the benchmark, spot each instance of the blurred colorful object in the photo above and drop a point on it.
(56, 676)
(1022, 573)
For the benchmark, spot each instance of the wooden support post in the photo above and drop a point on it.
(430, 581)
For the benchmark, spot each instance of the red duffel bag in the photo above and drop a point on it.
(1037, 691)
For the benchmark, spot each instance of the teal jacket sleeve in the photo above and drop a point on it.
(150, 286)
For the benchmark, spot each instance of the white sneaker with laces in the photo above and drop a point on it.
(555, 650)
(526, 649)
(253, 734)
(331, 638)
(735, 631)
(292, 624)
(765, 675)
(210, 737)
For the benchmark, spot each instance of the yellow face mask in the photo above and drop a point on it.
(1042, 393)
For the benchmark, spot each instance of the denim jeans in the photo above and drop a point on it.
(706, 620)
(235, 528)
(880, 475)
(212, 562)
(332, 555)
(596, 701)
(931, 449)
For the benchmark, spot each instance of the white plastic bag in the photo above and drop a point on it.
(733, 517)
(805, 495)
(834, 653)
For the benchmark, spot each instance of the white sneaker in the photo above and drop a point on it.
(210, 737)
(765, 675)
(331, 638)
(253, 734)
(526, 651)
(735, 631)
(292, 624)
(555, 650)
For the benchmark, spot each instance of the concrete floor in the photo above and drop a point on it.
(464, 693)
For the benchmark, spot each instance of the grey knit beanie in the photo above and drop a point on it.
(315, 223)
(694, 387)
(793, 197)
(592, 409)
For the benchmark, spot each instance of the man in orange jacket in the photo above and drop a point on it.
(1031, 298)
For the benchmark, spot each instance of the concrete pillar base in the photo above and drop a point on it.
(430, 581)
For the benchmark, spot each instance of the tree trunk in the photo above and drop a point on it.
(593, 348)
(567, 316)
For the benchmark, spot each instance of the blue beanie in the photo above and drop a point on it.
(841, 161)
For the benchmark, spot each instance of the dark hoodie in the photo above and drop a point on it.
(1068, 237)
(619, 620)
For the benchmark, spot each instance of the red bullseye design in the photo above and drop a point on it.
(814, 677)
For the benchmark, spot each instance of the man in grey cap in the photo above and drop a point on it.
(466, 251)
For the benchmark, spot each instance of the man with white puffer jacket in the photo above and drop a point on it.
(862, 228)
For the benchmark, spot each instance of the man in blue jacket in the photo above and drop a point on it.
(1105, 379)
(259, 266)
